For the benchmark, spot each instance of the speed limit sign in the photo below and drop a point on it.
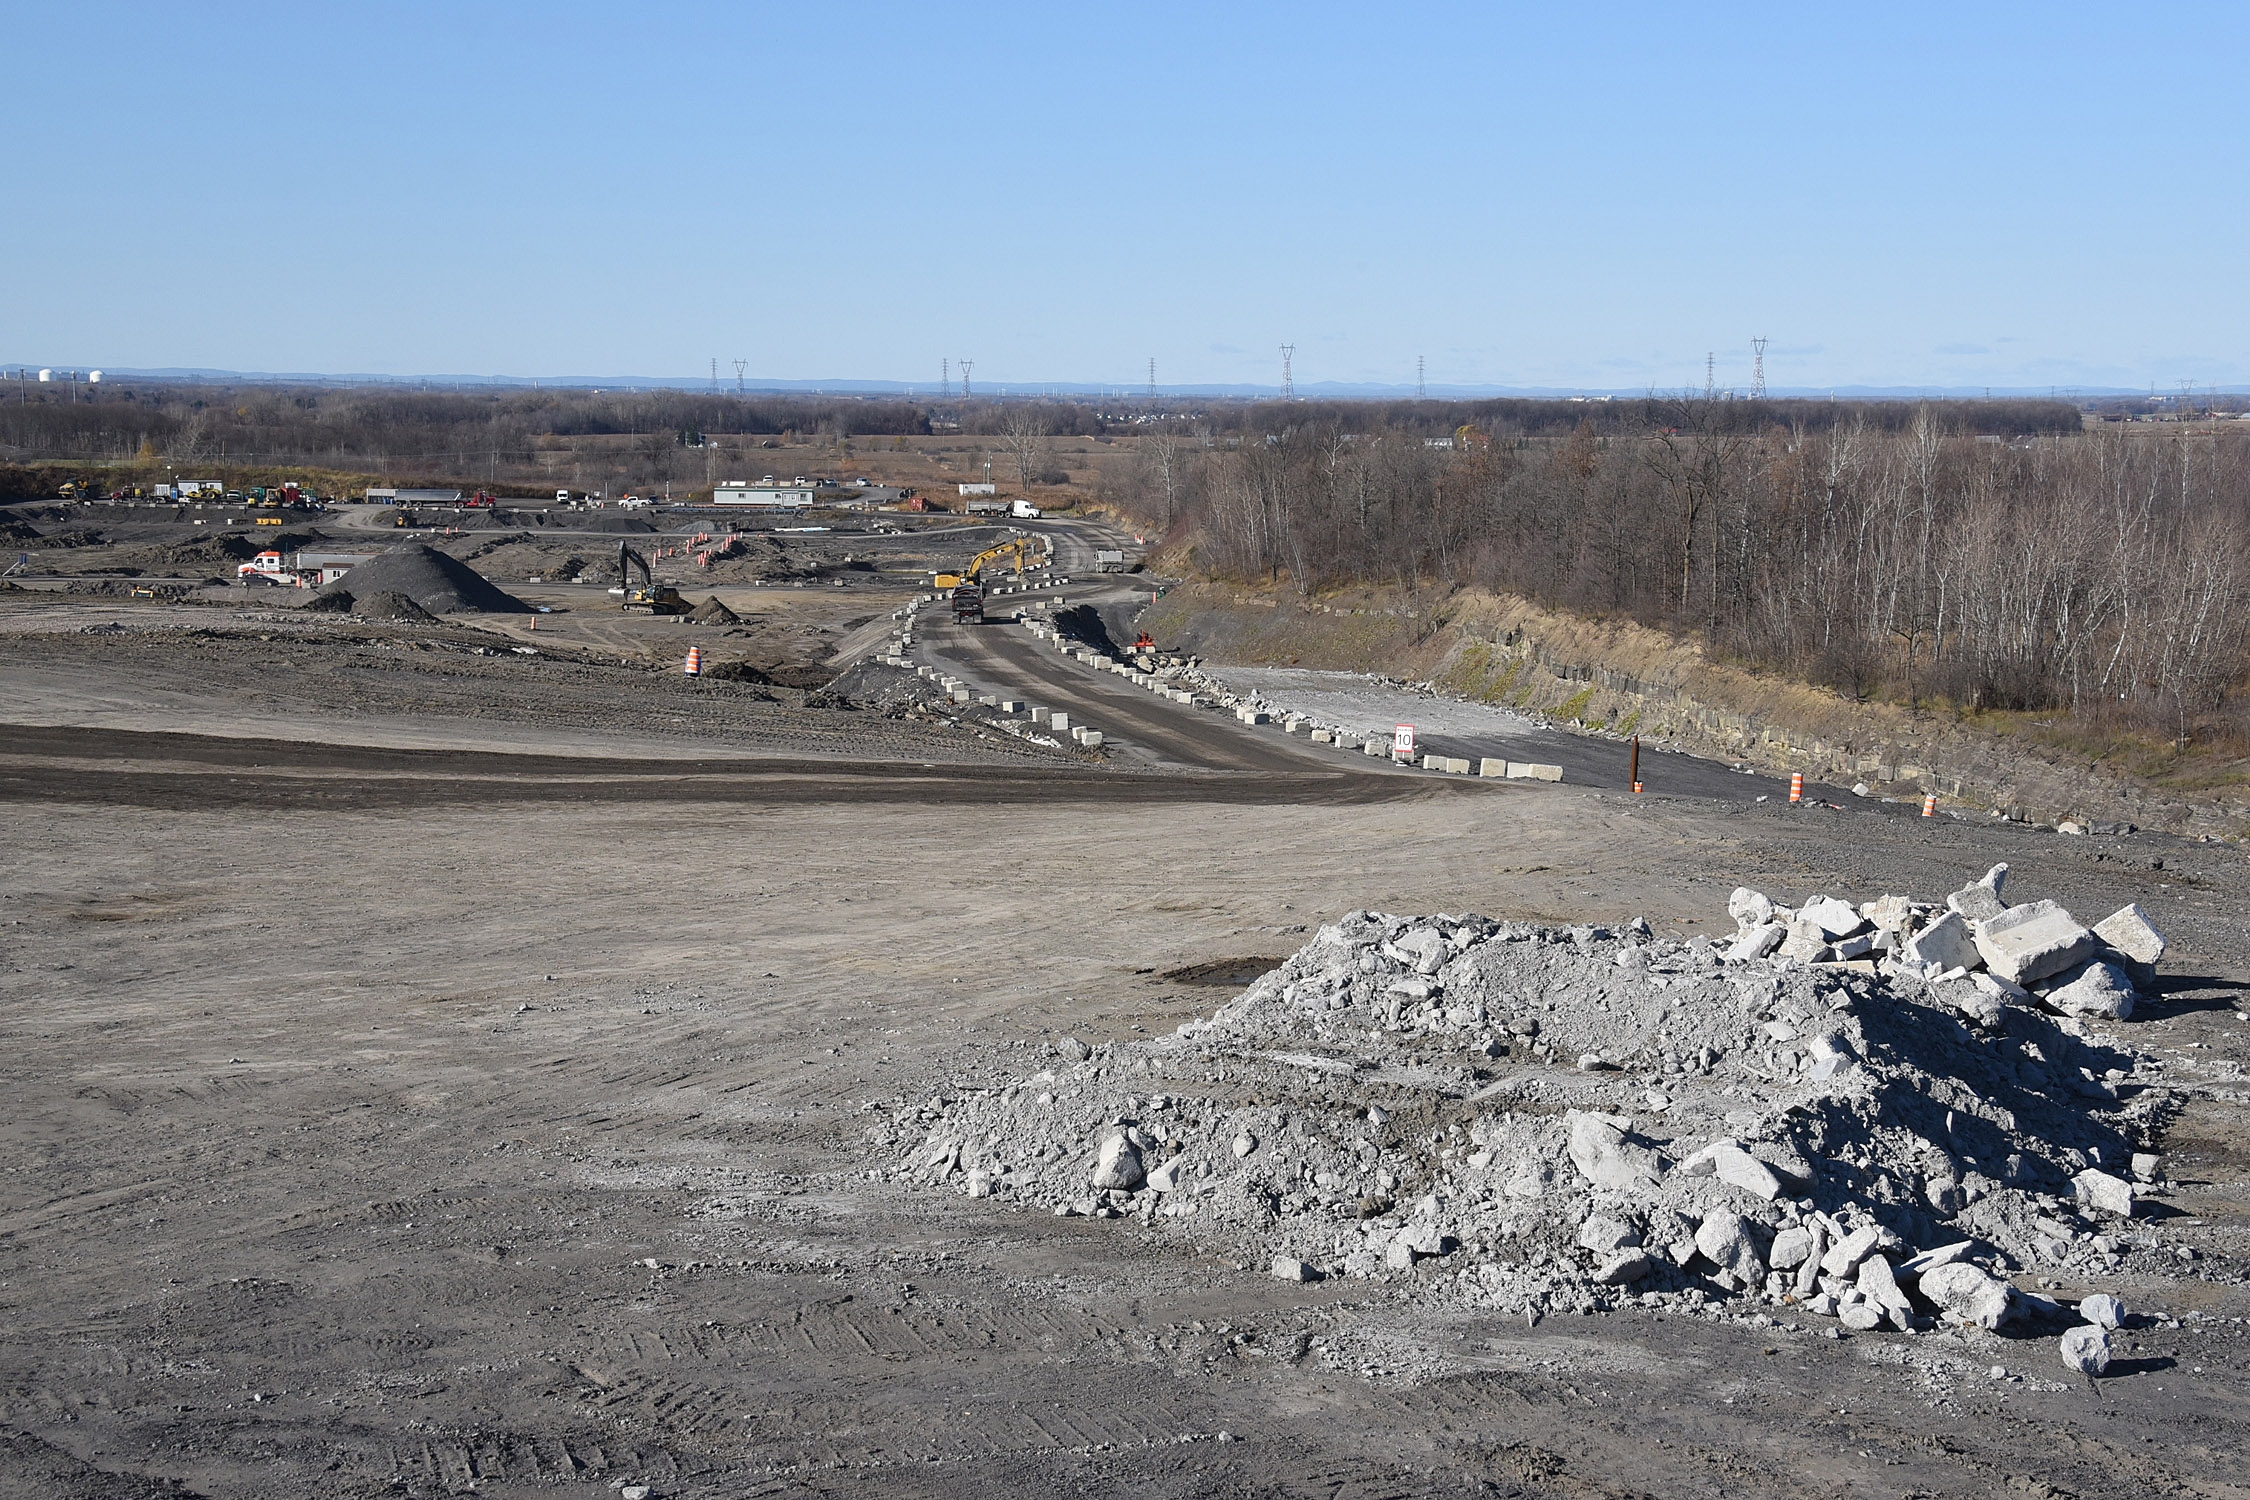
(1402, 740)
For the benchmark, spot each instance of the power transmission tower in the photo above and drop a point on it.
(1757, 369)
(1288, 384)
(714, 374)
(1709, 361)
(1152, 377)
(740, 365)
(945, 377)
(965, 364)
(1421, 389)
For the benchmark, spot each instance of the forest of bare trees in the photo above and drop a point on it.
(2106, 570)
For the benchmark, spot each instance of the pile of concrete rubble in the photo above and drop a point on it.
(1882, 1114)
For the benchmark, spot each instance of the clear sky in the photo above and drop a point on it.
(1589, 196)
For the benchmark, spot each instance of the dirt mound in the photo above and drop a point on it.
(1539, 1119)
(712, 612)
(627, 525)
(437, 583)
(386, 605)
(222, 550)
(337, 603)
(735, 671)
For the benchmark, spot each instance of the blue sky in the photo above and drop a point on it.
(1549, 195)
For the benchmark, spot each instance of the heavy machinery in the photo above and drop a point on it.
(656, 598)
(968, 603)
(1146, 643)
(1016, 548)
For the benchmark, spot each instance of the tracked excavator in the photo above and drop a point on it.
(1018, 549)
(656, 598)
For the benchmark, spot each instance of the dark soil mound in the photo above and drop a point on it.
(388, 605)
(735, 671)
(631, 525)
(210, 551)
(439, 584)
(712, 612)
(338, 603)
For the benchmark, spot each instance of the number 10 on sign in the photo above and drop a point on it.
(1402, 740)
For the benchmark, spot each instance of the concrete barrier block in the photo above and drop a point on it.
(1011, 705)
(1524, 770)
(1058, 722)
(1457, 765)
(1323, 737)
(1040, 715)
(1491, 767)
(1433, 762)
(1091, 739)
(2028, 943)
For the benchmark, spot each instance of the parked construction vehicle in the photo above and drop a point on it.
(656, 598)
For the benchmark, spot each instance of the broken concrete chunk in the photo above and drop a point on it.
(1625, 1268)
(2028, 943)
(2103, 1311)
(1423, 950)
(1835, 918)
(1855, 947)
(1756, 942)
(1807, 942)
(1965, 1294)
(1889, 914)
(1749, 908)
(1930, 1260)
(1166, 1178)
(2131, 933)
(1734, 1166)
(1118, 1167)
(1606, 1236)
(2103, 1193)
(1848, 1252)
(1792, 1247)
(1292, 1270)
(1947, 942)
(1860, 1317)
(2086, 1349)
(1978, 903)
(1995, 879)
(2096, 991)
(1879, 1286)
(2147, 1165)
(1724, 1239)
(1601, 1153)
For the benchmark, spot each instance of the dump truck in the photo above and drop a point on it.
(1109, 560)
(968, 603)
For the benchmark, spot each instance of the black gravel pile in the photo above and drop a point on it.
(437, 583)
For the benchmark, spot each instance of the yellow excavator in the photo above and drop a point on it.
(1017, 549)
(656, 598)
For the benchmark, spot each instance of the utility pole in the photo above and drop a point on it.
(1288, 382)
(1421, 388)
(1758, 369)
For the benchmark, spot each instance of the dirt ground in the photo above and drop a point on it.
(408, 1097)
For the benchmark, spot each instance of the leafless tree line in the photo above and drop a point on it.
(2108, 569)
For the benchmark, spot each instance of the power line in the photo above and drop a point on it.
(1288, 383)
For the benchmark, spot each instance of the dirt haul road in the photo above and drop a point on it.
(429, 1138)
